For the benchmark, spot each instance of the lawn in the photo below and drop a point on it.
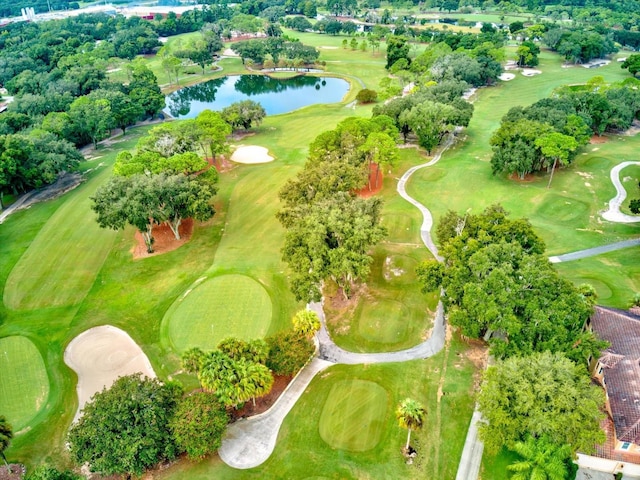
(301, 452)
(239, 250)
(24, 385)
(566, 215)
(215, 309)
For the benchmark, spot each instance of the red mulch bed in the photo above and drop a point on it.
(18, 471)
(596, 139)
(263, 404)
(529, 177)
(165, 241)
(365, 192)
(221, 164)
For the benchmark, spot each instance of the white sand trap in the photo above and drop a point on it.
(251, 154)
(530, 72)
(505, 77)
(325, 47)
(99, 356)
(229, 53)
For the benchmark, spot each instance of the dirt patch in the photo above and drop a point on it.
(164, 240)
(598, 139)
(18, 471)
(280, 383)
(374, 172)
(338, 310)
(528, 178)
(99, 356)
(222, 164)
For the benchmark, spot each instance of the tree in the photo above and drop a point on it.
(213, 132)
(288, 352)
(330, 239)
(199, 424)
(397, 48)
(191, 359)
(634, 205)
(306, 322)
(430, 121)
(182, 197)
(92, 118)
(380, 149)
(543, 394)
(129, 200)
(499, 287)
(366, 96)
(632, 63)
(244, 114)
(410, 414)
(541, 460)
(124, 110)
(6, 434)
(125, 429)
(557, 147)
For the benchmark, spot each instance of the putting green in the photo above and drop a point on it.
(400, 269)
(24, 385)
(218, 308)
(383, 321)
(564, 209)
(354, 415)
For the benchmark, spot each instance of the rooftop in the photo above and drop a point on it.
(621, 362)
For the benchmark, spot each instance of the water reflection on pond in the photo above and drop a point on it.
(274, 94)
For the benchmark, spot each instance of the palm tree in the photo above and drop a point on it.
(306, 322)
(6, 434)
(261, 380)
(410, 414)
(541, 460)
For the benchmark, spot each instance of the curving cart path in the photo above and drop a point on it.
(248, 443)
(613, 214)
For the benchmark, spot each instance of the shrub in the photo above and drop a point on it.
(288, 352)
(367, 96)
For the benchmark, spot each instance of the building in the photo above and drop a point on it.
(618, 372)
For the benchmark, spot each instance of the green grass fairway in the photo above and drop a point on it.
(354, 415)
(222, 307)
(24, 385)
(62, 262)
(383, 321)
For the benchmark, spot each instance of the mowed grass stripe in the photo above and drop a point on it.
(218, 308)
(24, 385)
(62, 262)
(354, 415)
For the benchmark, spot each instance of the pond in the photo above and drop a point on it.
(274, 94)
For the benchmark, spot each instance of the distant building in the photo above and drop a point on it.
(618, 372)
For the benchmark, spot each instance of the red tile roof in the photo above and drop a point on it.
(621, 371)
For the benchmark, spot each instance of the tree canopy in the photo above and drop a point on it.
(498, 286)
(126, 429)
(541, 395)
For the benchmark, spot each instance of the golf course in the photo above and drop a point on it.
(61, 275)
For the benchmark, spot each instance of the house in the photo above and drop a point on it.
(618, 372)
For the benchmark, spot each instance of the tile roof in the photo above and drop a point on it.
(621, 372)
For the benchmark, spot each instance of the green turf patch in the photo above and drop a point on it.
(62, 262)
(400, 269)
(383, 321)
(24, 385)
(354, 414)
(564, 209)
(218, 308)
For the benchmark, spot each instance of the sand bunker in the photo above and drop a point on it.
(530, 72)
(325, 47)
(251, 154)
(99, 356)
(505, 77)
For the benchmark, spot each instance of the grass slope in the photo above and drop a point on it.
(24, 385)
(75, 246)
